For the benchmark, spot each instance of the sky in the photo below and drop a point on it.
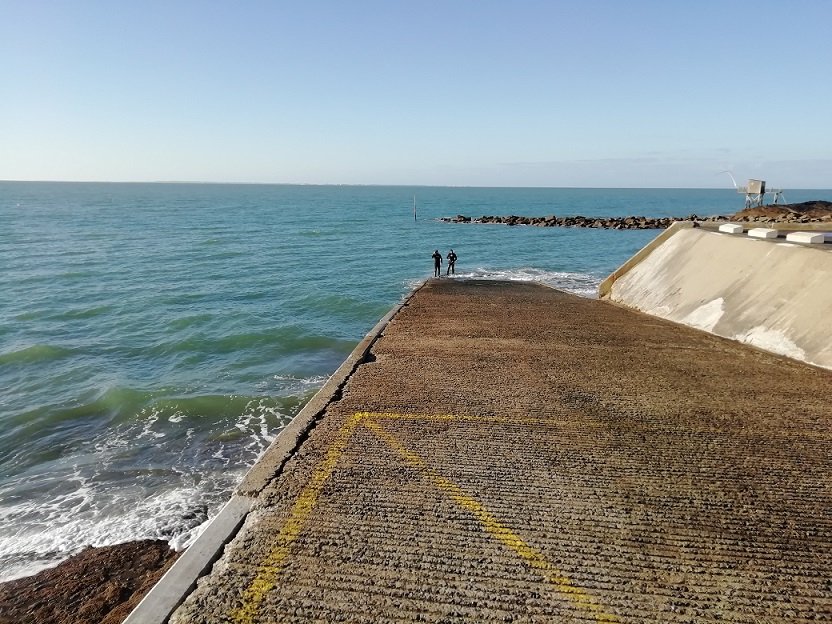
(554, 93)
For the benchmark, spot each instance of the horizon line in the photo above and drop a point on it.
(333, 184)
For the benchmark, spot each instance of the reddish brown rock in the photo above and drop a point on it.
(803, 212)
(97, 586)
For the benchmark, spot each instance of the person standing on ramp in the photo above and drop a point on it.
(451, 263)
(437, 263)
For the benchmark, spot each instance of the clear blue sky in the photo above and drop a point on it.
(510, 93)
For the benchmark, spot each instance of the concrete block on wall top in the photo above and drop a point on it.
(731, 228)
(813, 238)
(762, 233)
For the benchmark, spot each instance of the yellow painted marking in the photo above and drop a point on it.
(269, 568)
(498, 530)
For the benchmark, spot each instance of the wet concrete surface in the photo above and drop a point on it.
(512, 453)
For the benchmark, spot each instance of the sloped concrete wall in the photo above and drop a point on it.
(774, 295)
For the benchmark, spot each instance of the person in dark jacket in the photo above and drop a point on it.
(437, 263)
(451, 262)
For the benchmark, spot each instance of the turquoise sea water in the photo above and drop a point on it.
(154, 338)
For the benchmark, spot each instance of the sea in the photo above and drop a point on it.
(155, 338)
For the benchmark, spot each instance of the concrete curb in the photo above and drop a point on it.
(293, 435)
(180, 579)
(172, 589)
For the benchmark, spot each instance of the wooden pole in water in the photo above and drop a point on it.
(414, 209)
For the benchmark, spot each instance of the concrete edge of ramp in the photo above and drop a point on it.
(178, 581)
(172, 589)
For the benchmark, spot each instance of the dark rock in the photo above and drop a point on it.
(807, 212)
(97, 586)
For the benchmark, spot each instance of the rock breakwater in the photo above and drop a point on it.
(609, 223)
(806, 212)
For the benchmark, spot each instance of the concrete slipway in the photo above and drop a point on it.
(505, 452)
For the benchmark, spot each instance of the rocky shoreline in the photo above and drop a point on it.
(806, 212)
(96, 586)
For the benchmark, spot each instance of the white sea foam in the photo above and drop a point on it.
(183, 540)
(65, 529)
(153, 478)
(289, 385)
(583, 284)
(148, 431)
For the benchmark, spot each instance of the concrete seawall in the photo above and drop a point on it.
(770, 294)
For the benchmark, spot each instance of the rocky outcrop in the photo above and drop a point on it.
(807, 212)
(97, 586)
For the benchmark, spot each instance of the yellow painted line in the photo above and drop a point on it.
(498, 530)
(268, 570)
(266, 577)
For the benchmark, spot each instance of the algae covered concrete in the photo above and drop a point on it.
(511, 453)
(773, 295)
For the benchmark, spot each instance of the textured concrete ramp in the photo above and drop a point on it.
(517, 454)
